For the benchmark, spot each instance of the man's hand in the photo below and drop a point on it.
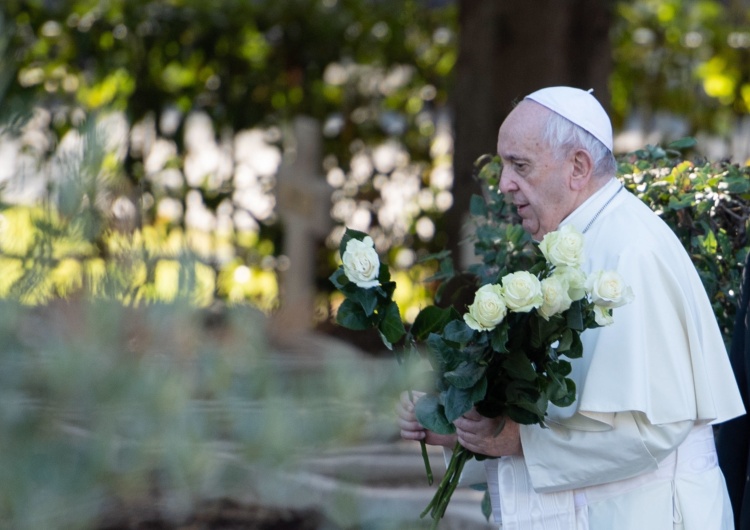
(411, 429)
(488, 436)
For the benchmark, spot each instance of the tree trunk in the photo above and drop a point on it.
(508, 49)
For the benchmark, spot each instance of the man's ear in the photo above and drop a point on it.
(583, 169)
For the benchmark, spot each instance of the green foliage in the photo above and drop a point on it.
(685, 57)
(371, 71)
(707, 204)
(244, 63)
(102, 404)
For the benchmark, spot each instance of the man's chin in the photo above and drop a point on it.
(531, 229)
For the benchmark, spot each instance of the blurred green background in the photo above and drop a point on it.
(175, 176)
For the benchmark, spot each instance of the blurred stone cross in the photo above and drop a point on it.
(304, 204)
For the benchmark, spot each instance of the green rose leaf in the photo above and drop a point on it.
(561, 368)
(479, 390)
(465, 375)
(565, 341)
(475, 351)
(391, 325)
(431, 319)
(561, 391)
(458, 401)
(519, 366)
(538, 268)
(556, 388)
(576, 348)
(564, 396)
(458, 331)
(444, 356)
(388, 344)
(339, 279)
(518, 390)
(384, 276)
(575, 316)
(366, 298)
(528, 412)
(542, 330)
(386, 290)
(431, 415)
(499, 339)
(352, 316)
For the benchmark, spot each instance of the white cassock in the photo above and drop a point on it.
(636, 450)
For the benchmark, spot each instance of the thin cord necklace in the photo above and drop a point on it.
(597, 214)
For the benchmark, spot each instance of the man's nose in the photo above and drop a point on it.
(507, 184)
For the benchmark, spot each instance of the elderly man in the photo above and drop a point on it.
(636, 450)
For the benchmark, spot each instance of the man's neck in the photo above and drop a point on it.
(595, 184)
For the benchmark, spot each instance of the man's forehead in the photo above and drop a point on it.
(522, 130)
(527, 116)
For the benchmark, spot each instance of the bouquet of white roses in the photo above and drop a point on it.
(504, 356)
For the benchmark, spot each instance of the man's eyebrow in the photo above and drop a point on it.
(515, 158)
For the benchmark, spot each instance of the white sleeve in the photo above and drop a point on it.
(560, 458)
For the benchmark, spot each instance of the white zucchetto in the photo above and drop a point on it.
(578, 106)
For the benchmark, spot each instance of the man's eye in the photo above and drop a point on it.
(520, 166)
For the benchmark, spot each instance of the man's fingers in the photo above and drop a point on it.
(413, 435)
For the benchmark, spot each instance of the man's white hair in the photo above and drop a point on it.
(563, 136)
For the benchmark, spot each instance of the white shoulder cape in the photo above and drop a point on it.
(664, 355)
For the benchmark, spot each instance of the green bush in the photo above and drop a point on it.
(163, 407)
(707, 204)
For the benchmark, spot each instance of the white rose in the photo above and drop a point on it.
(556, 298)
(488, 309)
(608, 289)
(576, 280)
(522, 291)
(603, 316)
(563, 247)
(361, 262)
